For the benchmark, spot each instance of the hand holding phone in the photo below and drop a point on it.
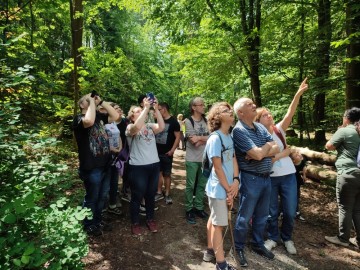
(151, 97)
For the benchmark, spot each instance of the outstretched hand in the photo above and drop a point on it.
(303, 86)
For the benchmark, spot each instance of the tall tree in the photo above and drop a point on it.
(353, 53)
(77, 22)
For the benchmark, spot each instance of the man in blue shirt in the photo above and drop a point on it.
(254, 147)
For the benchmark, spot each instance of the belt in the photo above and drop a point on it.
(265, 175)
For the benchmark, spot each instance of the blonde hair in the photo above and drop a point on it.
(259, 112)
(180, 116)
(131, 112)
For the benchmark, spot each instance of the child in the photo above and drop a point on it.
(223, 182)
(300, 163)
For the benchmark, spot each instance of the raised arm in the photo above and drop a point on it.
(293, 105)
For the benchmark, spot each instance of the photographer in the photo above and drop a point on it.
(144, 164)
(94, 156)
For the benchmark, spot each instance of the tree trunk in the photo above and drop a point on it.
(76, 17)
(353, 52)
(319, 157)
(321, 174)
(322, 70)
(250, 22)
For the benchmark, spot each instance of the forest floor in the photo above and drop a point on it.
(180, 246)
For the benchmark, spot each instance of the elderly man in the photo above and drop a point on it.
(254, 147)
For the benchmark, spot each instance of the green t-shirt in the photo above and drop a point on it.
(347, 141)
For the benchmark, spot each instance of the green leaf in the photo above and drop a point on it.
(29, 250)
(10, 218)
(25, 259)
(17, 262)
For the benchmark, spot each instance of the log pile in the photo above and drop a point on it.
(320, 166)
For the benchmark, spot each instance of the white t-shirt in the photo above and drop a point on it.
(283, 166)
(143, 147)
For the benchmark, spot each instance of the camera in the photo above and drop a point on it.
(94, 93)
(151, 97)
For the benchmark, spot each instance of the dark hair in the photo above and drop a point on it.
(353, 114)
(141, 98)
(164, 105)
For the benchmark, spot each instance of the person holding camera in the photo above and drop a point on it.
(94, 156)
(144, 166)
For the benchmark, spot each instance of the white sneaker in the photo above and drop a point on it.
(270, 244)
(335, 240)
(290, 248)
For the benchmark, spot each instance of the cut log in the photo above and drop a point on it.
(321, 174)
(320, 157)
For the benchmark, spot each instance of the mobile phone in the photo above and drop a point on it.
(94, 93)
(151, 97)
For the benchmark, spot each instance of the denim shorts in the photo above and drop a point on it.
(165, 164)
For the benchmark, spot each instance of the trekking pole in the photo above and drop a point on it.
(232, 238)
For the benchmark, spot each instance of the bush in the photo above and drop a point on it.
(34, 231)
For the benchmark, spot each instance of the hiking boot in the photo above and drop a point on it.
(136, 229)
(335, 240)
(151, 224)
(105, 227)
(228, 267)
(168, 199)
(299, 217)
(290, 247)
(115, 210)
(158, 197)
(262, 251)
(201, 213)
(190, 217)
(209, 256)
(270, 244)
(93, 231)
(242, 259)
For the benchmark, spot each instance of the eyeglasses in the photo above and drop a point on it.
(228, 111)
(266, 115)
(199, 105)
(160, 109)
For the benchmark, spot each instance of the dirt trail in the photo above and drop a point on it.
(179, 245)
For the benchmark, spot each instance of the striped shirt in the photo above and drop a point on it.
(246, 138)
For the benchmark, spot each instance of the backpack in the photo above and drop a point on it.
(122, 157)
(206, 167)
(114, 137)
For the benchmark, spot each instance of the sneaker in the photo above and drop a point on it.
(105, 227)
(190, 217)
(242, 259)
(228, 267)
(168, 199)
(126, 197)
(136, 229)
(201, 213)
(151, 224)
(115, 210)
(354, 242)
(93, 231)
(270, 244)
(290, 247)
(299, 217)
(335, 240)
(143, 209)
(262, 251)
(158, 197)
(209, 256)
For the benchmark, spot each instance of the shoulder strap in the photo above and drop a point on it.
(279, 134)
(192, 120)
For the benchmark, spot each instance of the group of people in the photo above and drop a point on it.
(250, 160)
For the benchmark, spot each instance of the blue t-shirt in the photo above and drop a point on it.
(213, 149)
(246, 138)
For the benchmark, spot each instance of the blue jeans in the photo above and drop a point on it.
(286, 187)
(96, 184)
(143, 184)
(254, 203)
(114, 185)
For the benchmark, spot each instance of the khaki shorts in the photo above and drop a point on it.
(219, 212)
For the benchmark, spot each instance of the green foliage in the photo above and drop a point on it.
(35, 230)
